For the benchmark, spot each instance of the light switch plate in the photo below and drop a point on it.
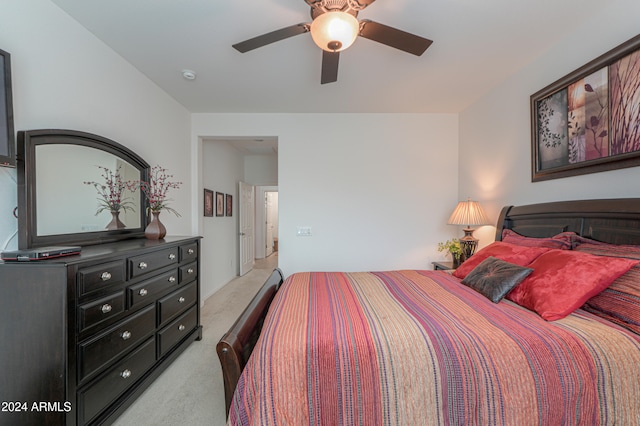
(303, 231)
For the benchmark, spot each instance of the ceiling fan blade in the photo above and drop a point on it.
(394, 37)
(272, 37)
(329, 67)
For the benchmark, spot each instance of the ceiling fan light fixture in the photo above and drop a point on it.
(334, 31)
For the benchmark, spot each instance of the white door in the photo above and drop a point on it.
(246, 206)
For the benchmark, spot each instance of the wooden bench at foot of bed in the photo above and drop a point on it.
(234, 348)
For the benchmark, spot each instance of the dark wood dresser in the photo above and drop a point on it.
(82, 336)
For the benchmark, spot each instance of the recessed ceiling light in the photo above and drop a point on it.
(189, 75)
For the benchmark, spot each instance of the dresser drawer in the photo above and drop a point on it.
(188, 272)
(100, 276)
(145, 263)
(146, 291)
(188, 252)
(101, 310)
(177, 330)
(99, 351)
(106, 389)
(177, 302)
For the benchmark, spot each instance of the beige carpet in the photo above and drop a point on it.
(191, 392)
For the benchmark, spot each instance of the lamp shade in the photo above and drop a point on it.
(334, 31)
(468, 213)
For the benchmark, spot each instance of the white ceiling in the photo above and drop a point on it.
(477, 44)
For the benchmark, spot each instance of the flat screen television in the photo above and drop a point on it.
(7, 135)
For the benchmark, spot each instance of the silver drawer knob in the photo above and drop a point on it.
(143, 292)
(142, 265)
(106, 308)
(172, 256)
(190, 271)
(181, 328)
(172, 279)
(126, 374)
(126, 335)
(181, 300)
(190, 251)
(106, 276)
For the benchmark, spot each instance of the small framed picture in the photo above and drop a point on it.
(219, 204)
(208, 202)
(229, 209)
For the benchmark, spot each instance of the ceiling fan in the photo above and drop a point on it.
(334, 28)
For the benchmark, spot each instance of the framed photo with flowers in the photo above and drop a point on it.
(589, 120)
(219, 204)
(229, 205)
(208, 203)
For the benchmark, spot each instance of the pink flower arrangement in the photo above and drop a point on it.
(156, 189)
(111, 192)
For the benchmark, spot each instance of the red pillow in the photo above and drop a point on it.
(560, 241)
(519, 255)
(620, 302)
(576, 240)
(562, 280)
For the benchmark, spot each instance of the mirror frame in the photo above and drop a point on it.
(27, 188)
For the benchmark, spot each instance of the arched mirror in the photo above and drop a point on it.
(63, 189)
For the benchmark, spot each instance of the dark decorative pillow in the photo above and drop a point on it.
(560, 241)
(520, 255)
(494, 278)
(563, 280)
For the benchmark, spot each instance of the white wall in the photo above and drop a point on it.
(376, 189)
(223, 167)
(261, 169)
(64, 77)
(495, 139)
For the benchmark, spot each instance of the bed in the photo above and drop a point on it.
(430, 347)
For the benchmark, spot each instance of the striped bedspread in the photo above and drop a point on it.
(417, 347)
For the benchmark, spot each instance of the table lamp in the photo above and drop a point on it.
(468, 213)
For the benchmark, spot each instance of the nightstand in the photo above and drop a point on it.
(443, 266)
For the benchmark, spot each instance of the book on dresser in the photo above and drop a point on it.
(83, 336)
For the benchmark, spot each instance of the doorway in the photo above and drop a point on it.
(224, 162)
(271, 226)
(266, 231)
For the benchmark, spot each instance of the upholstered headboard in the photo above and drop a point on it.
(615, 221)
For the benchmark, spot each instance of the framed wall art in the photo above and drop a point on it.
(229, 205)
(219, 204)
(208, 202)
(7, 135)
(589, 120)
